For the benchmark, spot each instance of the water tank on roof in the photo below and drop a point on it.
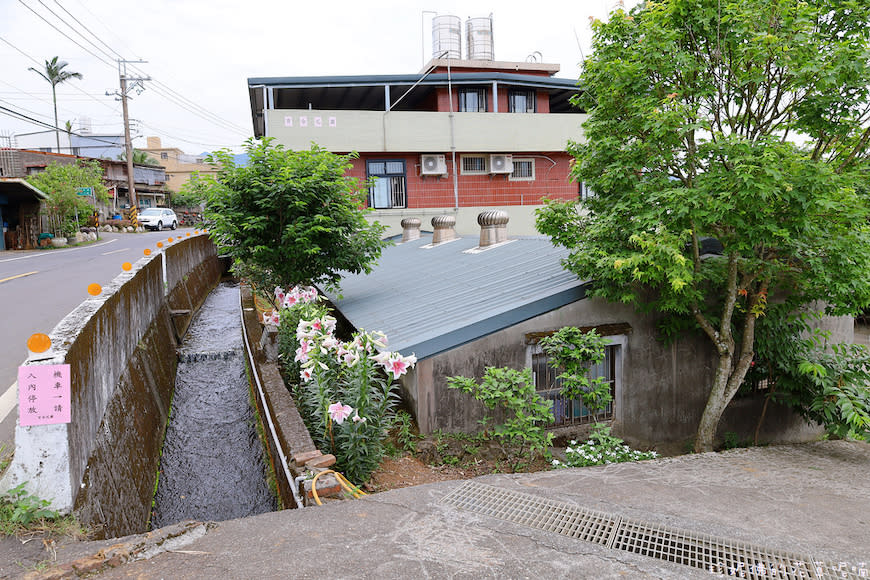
(478, 38)
(446, 37)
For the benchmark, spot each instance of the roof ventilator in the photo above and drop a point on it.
(410, 229)
(444, 229)
(493, 227)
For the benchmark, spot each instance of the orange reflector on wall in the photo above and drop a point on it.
(38, 342)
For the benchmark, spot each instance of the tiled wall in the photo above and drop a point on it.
(551, 181)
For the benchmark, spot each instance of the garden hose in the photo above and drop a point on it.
(352, 489)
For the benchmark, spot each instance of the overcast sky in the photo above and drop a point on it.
(201, 53)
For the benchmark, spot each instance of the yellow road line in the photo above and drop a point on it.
(18, 276)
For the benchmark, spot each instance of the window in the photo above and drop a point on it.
(524, 169)
(388, 187)
(521, 101)
(584, 191)
(472, 100)
(164, 155)
(473, 164)
(572, 411)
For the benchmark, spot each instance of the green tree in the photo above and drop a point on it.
(745, 122)
(55, 74)
(139, 157)
(194, 191)
(291, 217)
(61, 183)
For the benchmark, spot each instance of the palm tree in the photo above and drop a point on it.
(139, 158)
(55, 75)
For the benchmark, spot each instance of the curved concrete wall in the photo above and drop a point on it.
(120, 347)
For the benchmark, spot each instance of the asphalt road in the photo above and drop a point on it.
(38, 288)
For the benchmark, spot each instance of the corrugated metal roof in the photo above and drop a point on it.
(431, 300)
(436, 78)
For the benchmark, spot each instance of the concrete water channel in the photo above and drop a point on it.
(212, 466)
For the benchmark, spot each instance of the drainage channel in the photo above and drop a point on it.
(212, 466)
(716, 555)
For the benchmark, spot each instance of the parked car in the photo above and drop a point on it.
(157, 218)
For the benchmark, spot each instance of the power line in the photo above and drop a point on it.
(76, 87)
(79, 22)
(41, 17)
(167, 92)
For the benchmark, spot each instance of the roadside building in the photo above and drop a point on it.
(179, 165)
(460, 306)
(461, 136)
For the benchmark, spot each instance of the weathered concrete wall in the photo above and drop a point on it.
(291, 447)
(660, 396)
(121, 350)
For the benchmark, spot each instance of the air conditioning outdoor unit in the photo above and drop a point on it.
(433, 165)
(501, 164)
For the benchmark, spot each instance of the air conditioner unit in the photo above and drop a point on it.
(501, 164)
(433, 165)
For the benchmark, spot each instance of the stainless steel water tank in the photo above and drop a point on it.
(446, 36)
(478, 38)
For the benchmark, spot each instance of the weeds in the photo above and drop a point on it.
(22, 512)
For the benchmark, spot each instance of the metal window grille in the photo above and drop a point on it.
(521, 101)
(473, 164)
(523, 169)
(388, 190)
(572, 411)
(472, 100)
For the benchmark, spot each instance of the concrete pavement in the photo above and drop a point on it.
(811, 501)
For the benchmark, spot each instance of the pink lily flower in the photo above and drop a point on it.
(338, 412)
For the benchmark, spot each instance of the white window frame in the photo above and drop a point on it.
(519, 160)
(463, 171)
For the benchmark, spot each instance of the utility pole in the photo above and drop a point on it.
(128, 143)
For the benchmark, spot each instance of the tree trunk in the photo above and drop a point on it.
(56, 130)
(726, 383)
(715, 406)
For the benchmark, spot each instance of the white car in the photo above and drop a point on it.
(157, 218)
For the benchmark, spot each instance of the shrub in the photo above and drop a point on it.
(522, 435)
(601, 448)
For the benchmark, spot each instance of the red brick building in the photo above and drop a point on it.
(459, 137)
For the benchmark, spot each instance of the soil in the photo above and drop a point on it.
(444, 460)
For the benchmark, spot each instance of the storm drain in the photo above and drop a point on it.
(734, 559)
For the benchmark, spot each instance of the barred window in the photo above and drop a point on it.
(388, 184)
(472, 100)
(524, 169)
(572, 411)
(472, 164)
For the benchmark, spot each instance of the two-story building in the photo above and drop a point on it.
(179, 165)
(459, 137)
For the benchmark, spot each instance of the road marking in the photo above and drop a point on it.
(8, 400)
(36, 253)
(19, 276)
(116, 251)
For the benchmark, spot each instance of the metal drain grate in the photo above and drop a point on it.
(735, 559)
(534, 512)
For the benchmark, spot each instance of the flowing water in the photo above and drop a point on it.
(212, 467)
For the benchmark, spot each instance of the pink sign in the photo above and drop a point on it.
(43, 394)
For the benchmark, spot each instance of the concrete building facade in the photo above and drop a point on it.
(179, 165)
(459, 137)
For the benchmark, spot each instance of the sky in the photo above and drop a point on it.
(200, 54)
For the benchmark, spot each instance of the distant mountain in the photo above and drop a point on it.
(239, 158)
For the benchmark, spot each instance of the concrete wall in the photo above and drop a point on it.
(423, 131)
(121, 350)
(659, 398)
